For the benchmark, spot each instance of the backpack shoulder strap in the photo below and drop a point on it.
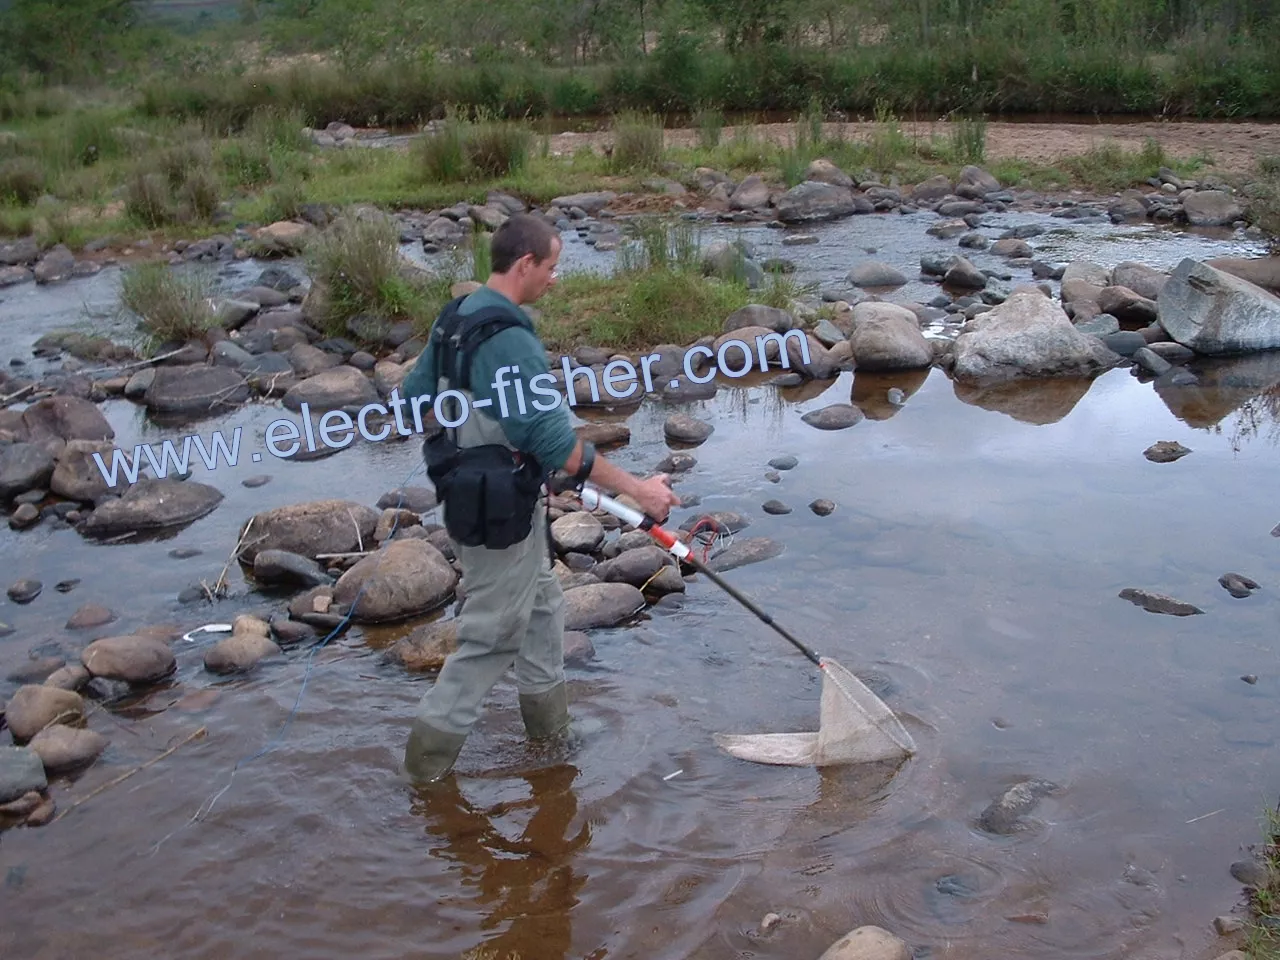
(470, 332)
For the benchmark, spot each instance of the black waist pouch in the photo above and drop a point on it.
(489, 495)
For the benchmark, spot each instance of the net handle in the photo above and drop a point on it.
(593, 498)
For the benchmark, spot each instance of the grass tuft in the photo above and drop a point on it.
(172, 307)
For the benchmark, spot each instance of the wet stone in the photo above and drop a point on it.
(66, 586)
(21, 772)
(1238, 585)
(686, 429)
(24, 591)
(676, 463)
(787, 462)
(773, 476)
(90, 615)
(1165, 451)
(822, 507)
(184, 553)
(1004, 815)
(775, 508)
(25, 517)
(255, 481)
(836, 416)
(1158, 602)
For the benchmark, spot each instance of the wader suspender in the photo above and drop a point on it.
(457, 337)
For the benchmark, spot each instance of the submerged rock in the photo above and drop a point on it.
(1238, 585)
(64, 749)
(836, 416)
(1158, 602)
(250, 642)
(136, 659)
(21, 772)
(1165, 451)
(868, 943)
(743, 551)
(426, 648)
(1004, 814)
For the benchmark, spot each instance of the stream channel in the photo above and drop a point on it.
(970, 573)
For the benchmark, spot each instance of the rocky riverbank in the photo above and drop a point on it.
(323, 566)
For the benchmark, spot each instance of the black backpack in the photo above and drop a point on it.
(489, 492)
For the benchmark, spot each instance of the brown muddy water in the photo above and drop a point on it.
(969, 573)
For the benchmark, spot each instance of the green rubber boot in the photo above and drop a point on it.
(430, 753)
(545, 715)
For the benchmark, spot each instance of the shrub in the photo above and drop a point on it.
(21, 180)
(498, 148)
(637, 142)
(172, 306)
(148, 198)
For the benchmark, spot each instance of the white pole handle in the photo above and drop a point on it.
(593, 498)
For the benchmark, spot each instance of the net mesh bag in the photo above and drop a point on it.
(854, 726)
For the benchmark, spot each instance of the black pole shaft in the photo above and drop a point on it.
(719, 581)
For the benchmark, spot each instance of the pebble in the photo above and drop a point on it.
(1166, 451)
(822, 508)
(1227, 925)
(66, 586)
(255, 481)
(184, 553)
(776, 508)
(787, 462)
(24, 591)
(25, 516)
(773, 476)
(769, 921)
(1237, 585)
(1250, 678)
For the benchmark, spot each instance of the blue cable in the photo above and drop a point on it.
(306, 674)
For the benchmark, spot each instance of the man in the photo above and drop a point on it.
(513, 612)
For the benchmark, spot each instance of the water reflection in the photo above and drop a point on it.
(1038, 401)
(870, 391)
(523, 888)
(1247, 383)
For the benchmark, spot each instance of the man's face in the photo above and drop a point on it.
(538, 278)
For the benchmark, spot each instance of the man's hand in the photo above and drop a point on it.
(656, 498)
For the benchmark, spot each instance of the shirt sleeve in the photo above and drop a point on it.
(547, 434)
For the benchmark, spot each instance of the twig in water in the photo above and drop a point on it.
(345, 556)
(1205, 815)
(359, 535)
(219, 586)
(125, 776)
(14, 396)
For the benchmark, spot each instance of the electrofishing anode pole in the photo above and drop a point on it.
(593, 498)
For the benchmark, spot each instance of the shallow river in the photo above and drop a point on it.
(970, 573)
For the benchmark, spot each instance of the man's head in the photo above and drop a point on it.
(524, 252)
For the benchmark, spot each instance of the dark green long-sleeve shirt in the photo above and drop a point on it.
(545, 433)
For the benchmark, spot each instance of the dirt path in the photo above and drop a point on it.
(1232, 147)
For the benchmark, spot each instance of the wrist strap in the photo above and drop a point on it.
(588, 462)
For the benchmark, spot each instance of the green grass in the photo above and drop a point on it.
(657, 293)
(358, 271)
(170, 306)
(1262, 929)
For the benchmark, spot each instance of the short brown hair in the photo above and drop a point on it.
(520, 235)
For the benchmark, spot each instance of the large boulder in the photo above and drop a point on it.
(151, 505)
(814, 200)
(1211, 208)
(52, 421)
(1214, 312)
(1028, 335)
(319, 526)
(887, 337)
(404, 579)
(195, 390)
(1263, 271)
(77, 476)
